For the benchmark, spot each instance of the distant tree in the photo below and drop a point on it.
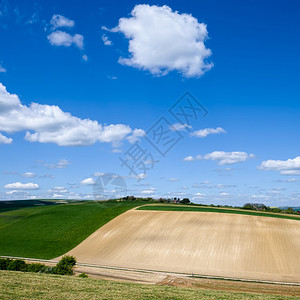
(185, 201)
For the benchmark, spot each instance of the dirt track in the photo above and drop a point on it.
(239, 246)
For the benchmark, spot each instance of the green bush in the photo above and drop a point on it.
(83, 275)
(36, 267)
(17, 265)
(4, 262)
(65, 265)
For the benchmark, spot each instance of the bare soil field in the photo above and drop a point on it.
(225, 245)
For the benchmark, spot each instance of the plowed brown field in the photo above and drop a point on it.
(229, 245)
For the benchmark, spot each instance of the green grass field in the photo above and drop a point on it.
(18, 285)
(48, 231)
(171, 207)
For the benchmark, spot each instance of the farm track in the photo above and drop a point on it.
(180, 280)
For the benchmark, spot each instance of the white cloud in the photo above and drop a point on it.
(191, 158)
(224, 194)
(136, 134)
(227, 158)
(61, 21)
(87, 181)
(4, 139)
(205, 132)
(58, 189)
(105, 40)
(2, 70)
(49, 124)
(179, 127)
(161, 41)
(199, 194)
(285, 167)
(22, 186)
(61, 164)
(11, 192)
(85, 57)
(61, 38)
(29, 175)
(148, 192)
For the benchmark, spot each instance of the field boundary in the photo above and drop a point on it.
(194, 208)
(189, 275)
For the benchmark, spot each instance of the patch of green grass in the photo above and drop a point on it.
(18, 285)
(217, 210)
(50, 231)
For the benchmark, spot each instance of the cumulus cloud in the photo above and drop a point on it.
(223, 158)
(22, 186)
(162, 40)
(61, 38)
(285, 167)
(87, 181)
(227, 158)
(61, 21)
(135, 136)
(4, 139)
(202, 133)
(49, 124)
(105, 40)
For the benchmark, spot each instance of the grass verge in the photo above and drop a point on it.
(17, 285)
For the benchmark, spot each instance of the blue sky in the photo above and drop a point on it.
(103, 73)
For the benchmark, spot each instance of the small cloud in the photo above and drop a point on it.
(179, 127)
(105, 40)
(136, 135)
(227, 158)
(61, 21)
(5, 140)
(224, 194)
(202, 133)
(61, 164)
(285, 167)
(22, 186)
(191, 158)
(85, 57)
(87, 181)
(62, 38)
(28, 175)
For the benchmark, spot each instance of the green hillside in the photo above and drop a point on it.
(48, 231)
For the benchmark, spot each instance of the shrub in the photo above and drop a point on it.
(65, 265)
(4, 262)
(83, 275)
(35, 267)
(17, 265)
